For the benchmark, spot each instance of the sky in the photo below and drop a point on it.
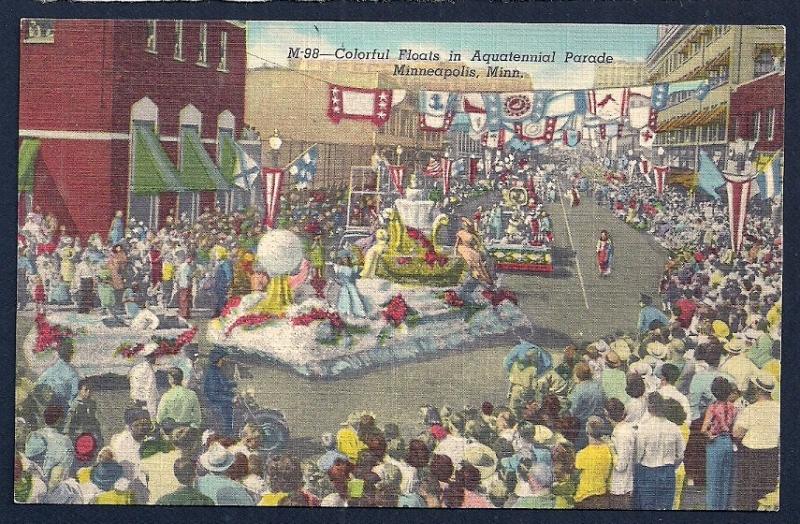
(268, 43)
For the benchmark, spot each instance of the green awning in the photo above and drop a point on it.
(28, 154)
(153, 173)
(198, 172)
(227, 157)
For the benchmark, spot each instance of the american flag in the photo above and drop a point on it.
(434, 168)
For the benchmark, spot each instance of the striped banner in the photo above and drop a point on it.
(738, 189)
(661, 177)
(396, 174)
(433, 169)
(272, 180)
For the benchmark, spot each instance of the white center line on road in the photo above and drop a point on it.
(572, 245)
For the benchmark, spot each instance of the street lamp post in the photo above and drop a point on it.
(275, 143)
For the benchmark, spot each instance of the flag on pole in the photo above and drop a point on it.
(473, 170)
(768, 180)
(447, 171)
(272, 180)
(433, 169)
(304, 167)
(245, 167)
(709, 177)
(660, 173)
(738, 188)
(396, 174)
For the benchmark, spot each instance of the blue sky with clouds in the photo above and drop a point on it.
(269, 41)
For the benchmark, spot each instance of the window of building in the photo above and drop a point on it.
(40, 31)
(178, 40)
(764, 62)
(757, 125)
(223, 52)
(151, 44)
(202, 55)
(771, 123)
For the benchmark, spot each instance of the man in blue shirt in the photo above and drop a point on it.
(61, 377)
(650, 313)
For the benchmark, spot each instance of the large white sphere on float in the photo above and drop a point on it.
(279, 252)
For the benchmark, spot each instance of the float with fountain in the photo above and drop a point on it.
(403, 295)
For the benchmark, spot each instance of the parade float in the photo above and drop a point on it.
(519, 250)
(414, 300)
(103, 345)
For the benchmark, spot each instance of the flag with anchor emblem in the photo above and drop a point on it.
(436, 110)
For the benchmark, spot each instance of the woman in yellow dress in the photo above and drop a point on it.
(468, 246)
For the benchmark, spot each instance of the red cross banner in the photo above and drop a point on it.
(355, 103)
(738, 189)
(272, 180)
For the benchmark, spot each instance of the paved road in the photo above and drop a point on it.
(555, 303)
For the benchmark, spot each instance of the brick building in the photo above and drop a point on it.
(132, 115)
(757, 113)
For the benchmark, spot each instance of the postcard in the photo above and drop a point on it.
(405, 265)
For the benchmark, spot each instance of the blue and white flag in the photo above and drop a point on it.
(709, 177)
(494, 111)
(246, 169)
(304, 167)
(769, 180)
(660, 96)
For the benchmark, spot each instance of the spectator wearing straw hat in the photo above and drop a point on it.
(215, 484)
(757, 461)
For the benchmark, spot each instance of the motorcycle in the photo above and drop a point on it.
(272, 422)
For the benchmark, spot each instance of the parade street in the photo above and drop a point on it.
(555, 303)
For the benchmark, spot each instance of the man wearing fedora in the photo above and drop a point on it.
(215, 484)
(737, 364)
(758, 458)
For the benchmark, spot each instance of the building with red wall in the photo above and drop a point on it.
(84, 84)
(757, 112)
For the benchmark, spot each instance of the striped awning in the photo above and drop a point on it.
(198, 172)
(152, 171)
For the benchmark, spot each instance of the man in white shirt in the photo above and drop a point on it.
(659, 451)
(142, 380)
(623, 448)
(126, 445)
(758, 458)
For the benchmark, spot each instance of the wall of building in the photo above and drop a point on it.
(758, 96)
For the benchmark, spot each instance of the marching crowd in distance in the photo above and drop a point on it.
(687, 398)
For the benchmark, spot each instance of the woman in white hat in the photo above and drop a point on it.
(142, 380)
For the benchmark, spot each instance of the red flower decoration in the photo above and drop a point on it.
(230, 304)
(452, 299)
(431, 258)
(413, 233)
(315, 314)
(249, 322)
(402, 261)
(500, 295)
(49, 336)
(396, 310)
